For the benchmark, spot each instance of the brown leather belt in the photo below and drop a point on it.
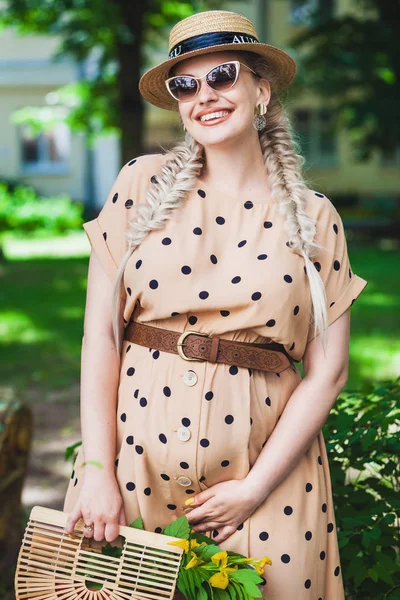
(201, 347)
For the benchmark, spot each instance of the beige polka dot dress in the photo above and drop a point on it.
(222, 266)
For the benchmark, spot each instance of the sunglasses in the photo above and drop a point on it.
(220, 78)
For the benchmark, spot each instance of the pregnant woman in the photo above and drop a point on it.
(214, 270)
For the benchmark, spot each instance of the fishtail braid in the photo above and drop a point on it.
(175, 180)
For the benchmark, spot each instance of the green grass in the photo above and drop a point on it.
(375, 322)
(42, 321)
(42, 307)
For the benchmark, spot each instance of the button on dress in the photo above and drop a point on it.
(222, 265)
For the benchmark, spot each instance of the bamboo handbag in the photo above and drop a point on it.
(53, 566)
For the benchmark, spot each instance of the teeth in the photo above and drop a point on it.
(215, 115)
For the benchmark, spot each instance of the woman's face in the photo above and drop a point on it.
(239, 101)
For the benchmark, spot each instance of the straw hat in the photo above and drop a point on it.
(211, 31)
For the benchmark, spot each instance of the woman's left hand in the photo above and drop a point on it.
(223, 507)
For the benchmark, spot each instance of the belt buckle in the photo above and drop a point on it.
(180, 344)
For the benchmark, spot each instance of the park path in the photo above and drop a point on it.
(56, 425)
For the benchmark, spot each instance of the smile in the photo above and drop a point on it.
(215, 117)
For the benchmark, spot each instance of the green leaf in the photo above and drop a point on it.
(231, 591)
(239, 593)
(360, 575)
(210, 590)
(201, 593)
(205, 572)
(93, 585)
(248, 580)
(343, 541)
(384, 575)
(233, 555)
(93, 462)
(190, 583)
(199, 537)
(206, 552)
(184, 585)
(243, 575)
(373, 574)
(220, 594)
(137, 523)
(109, 550)
(375, 533)
(179, 528)
(70, 450)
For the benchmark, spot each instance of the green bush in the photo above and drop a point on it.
(363, 445)
(22, 210)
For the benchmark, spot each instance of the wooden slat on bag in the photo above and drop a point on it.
(53, 566)
(15, 442)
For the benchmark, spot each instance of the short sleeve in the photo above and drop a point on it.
(106, 233)
(342, 286)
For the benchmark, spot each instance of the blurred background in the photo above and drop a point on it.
(71, 115)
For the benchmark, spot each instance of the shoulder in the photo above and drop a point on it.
(319, 205)
(138, 171)
(321, 209)
(329, 229)
(148, 162)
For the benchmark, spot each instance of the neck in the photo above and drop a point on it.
(236, 168)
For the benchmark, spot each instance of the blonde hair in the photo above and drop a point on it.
(179, 175)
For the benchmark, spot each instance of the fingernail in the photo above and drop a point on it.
(189, 501)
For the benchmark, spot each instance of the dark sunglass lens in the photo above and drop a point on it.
(222, 77)
(183, 88)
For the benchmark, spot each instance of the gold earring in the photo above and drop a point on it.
(259, 120)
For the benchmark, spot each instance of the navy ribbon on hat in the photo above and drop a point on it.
(204, 40)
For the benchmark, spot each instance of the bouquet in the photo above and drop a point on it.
(207, 572)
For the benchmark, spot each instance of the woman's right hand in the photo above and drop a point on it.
(100, 504)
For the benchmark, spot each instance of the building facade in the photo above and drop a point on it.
(59, 161)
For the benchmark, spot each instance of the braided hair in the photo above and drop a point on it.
(179, 174)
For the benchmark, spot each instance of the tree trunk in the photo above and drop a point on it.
(130, 60)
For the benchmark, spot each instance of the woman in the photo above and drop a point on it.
(222, 237)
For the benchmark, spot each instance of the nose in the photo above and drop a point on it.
(206, 93)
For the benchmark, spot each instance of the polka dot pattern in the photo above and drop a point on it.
(221, 265)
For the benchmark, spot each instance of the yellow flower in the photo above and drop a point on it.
(248, 560)
(194, 561)
(195, 544)
(220, 557)
(181, 544)
(219, 580)
(260, 564)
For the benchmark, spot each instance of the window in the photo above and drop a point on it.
(307, 12)
(316, 134)
(45, 153)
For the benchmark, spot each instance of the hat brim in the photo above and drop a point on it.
(152, 83)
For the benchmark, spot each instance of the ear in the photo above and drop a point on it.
(264, 92)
